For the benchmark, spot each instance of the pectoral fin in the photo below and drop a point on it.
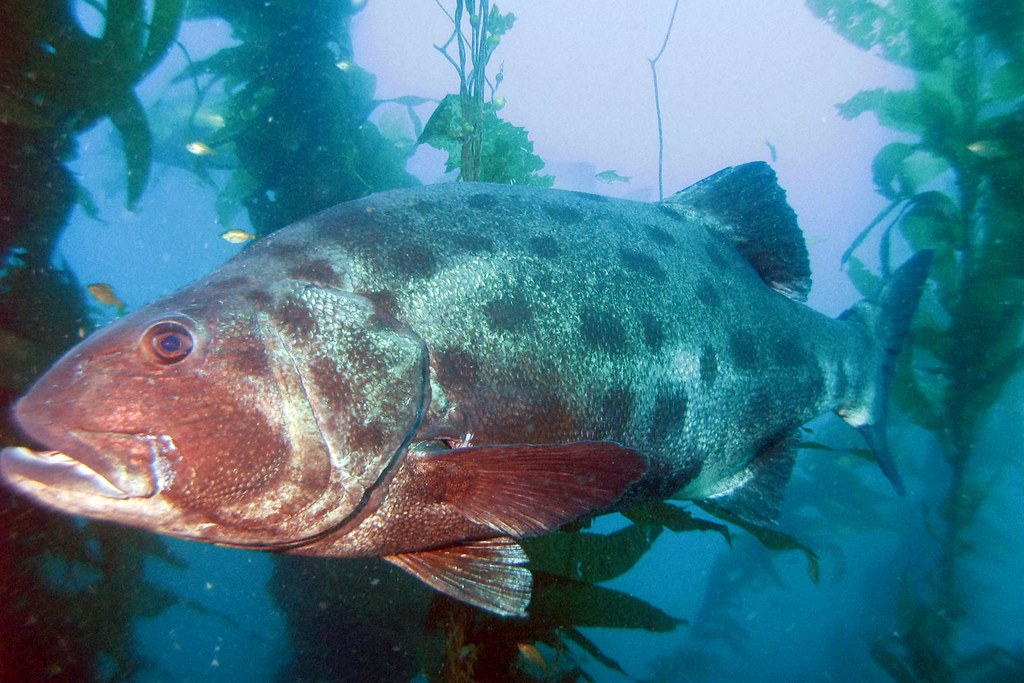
(490, 574)
(527, 490)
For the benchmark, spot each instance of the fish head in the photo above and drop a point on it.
(257, 416)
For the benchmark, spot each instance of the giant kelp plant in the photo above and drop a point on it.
(954, 186)
(67, 593)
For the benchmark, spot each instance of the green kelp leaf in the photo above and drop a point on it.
(675, 518)
(887, 167)
(590, 557)
(866, 282)
(922, 167)
(772, 539)
(896, 109)
(163, 30)
(861, 22)
(932, 222)
(563, 602)
(889, 654)
(499, 24)
(444, 130)
(507, 155)
(1008, 81)
(130, 120)
(593, 650)
(910, 395)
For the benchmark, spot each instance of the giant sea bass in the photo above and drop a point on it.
(428, 375)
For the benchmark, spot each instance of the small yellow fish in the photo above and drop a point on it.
(209, 118)
(531, 654)
(104, 293)
(988, 149)
(237, 236)
(612, 177)
(200, 149)
(343, 65)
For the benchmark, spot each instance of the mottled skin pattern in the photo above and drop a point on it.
(444, 316)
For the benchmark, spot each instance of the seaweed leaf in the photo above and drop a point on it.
(772, 539)
(130, 120)
(590, 557)
(563, 602)
(675, 518)
(593, 650)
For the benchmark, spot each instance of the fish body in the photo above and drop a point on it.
(237, 236)
(610, 177)
(427, 375)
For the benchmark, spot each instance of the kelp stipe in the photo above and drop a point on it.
(954, 189)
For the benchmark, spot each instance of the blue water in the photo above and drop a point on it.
(578, 80)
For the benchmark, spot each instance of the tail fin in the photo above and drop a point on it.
(888, 316)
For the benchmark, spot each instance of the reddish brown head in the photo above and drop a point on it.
(232, 412)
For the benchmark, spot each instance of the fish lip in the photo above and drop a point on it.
(25, 468)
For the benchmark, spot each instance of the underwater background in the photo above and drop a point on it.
(144, 143)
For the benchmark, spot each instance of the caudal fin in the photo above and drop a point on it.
(888, 315)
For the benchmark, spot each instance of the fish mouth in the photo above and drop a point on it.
(29, 469)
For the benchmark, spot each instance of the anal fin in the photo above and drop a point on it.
(490, 574)
(755, 493)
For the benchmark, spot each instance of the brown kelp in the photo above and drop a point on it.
(67, 593)
(954, 187)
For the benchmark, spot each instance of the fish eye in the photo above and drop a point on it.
(168, 342)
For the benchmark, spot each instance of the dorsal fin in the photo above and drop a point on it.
(745, 205)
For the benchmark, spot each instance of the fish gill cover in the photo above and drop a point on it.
(953, 188)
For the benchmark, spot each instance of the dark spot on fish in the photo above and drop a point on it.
(260, 297)
(616, 411)
(331, 383)
(669, 412)
(660, 237)
(482, 201)
(708, 293)
(642, 263)
(467, 241)
(233, 282)
(789, 352)
(296, 318)
(567, 215)
(602, 330)
(248, 360)
(413, 260)
(672, 213)
(424, 207)
(456, 368)
(385, 303)
(743, 348)
(318, 271)
(544, 246)
(708, 365)
(654, 331)
(508, 313)
(286, 250)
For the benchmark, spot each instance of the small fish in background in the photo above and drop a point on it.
(200, 149)
(209, 119)
(609, 177)
(532, 655)
(237, 236)
(104, 294)
(771, 151)
(343, 65)
(988, 149)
